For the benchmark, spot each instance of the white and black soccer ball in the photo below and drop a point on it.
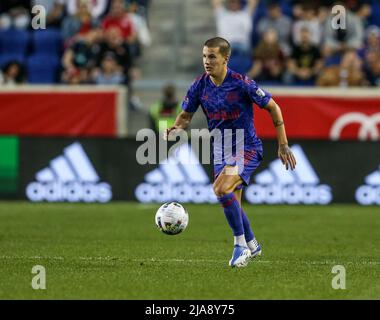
(172, 218)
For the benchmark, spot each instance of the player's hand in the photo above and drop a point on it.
(168, 131)
(287, 157)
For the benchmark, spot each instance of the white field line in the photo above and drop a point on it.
(120, 259)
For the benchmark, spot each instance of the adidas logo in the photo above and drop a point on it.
(277, 185)
(179, 178)
(370, 192)
(69, 177)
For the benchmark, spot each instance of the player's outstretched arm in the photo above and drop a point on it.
(284, 152)
(182, 122)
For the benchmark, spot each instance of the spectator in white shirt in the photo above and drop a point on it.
(234, 23)
(140, 24)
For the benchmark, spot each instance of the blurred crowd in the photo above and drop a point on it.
(294, 42)
(289, 42)
(99, 40)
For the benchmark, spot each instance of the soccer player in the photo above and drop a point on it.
(227, 100)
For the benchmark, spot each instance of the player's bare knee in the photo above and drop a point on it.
(221, 190)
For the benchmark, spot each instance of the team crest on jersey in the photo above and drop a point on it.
(260, 92)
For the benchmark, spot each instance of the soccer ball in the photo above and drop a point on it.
(172, 218)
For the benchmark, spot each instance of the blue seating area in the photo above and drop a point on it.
(42, 68)
(47, 41)
(374, 18)
(14, 41)
(39, 51)
(9, 57)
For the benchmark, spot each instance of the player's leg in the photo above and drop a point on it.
(250, 239)
(224, 187)
(248, 233)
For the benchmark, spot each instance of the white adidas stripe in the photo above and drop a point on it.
(74, 165)
(191, 166)
(304, 170)
(303, 174)
(62, 169)
(373, 179)
(81, 163)
(45, 175)
(281, 176)
(184, 167)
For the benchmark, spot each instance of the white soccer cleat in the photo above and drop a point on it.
(240, 257)
(255, 253)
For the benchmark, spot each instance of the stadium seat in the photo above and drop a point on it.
(6, 58)
(43, 68)
(286, 8)
(14, 41)
(374, 18)
(47, 41)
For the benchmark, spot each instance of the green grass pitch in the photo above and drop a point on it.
(114, 251)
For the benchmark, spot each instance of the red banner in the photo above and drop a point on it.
(316, 117)
(36, 113)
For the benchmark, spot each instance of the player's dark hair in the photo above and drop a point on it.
(218, 42)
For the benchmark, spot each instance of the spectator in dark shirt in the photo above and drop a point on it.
(372, 42)
(371, 55)
(114, 42)
(305, 62)
(372, 69)
(80, 59)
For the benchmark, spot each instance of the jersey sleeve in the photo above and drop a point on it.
(257, 95)
(191, 101)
